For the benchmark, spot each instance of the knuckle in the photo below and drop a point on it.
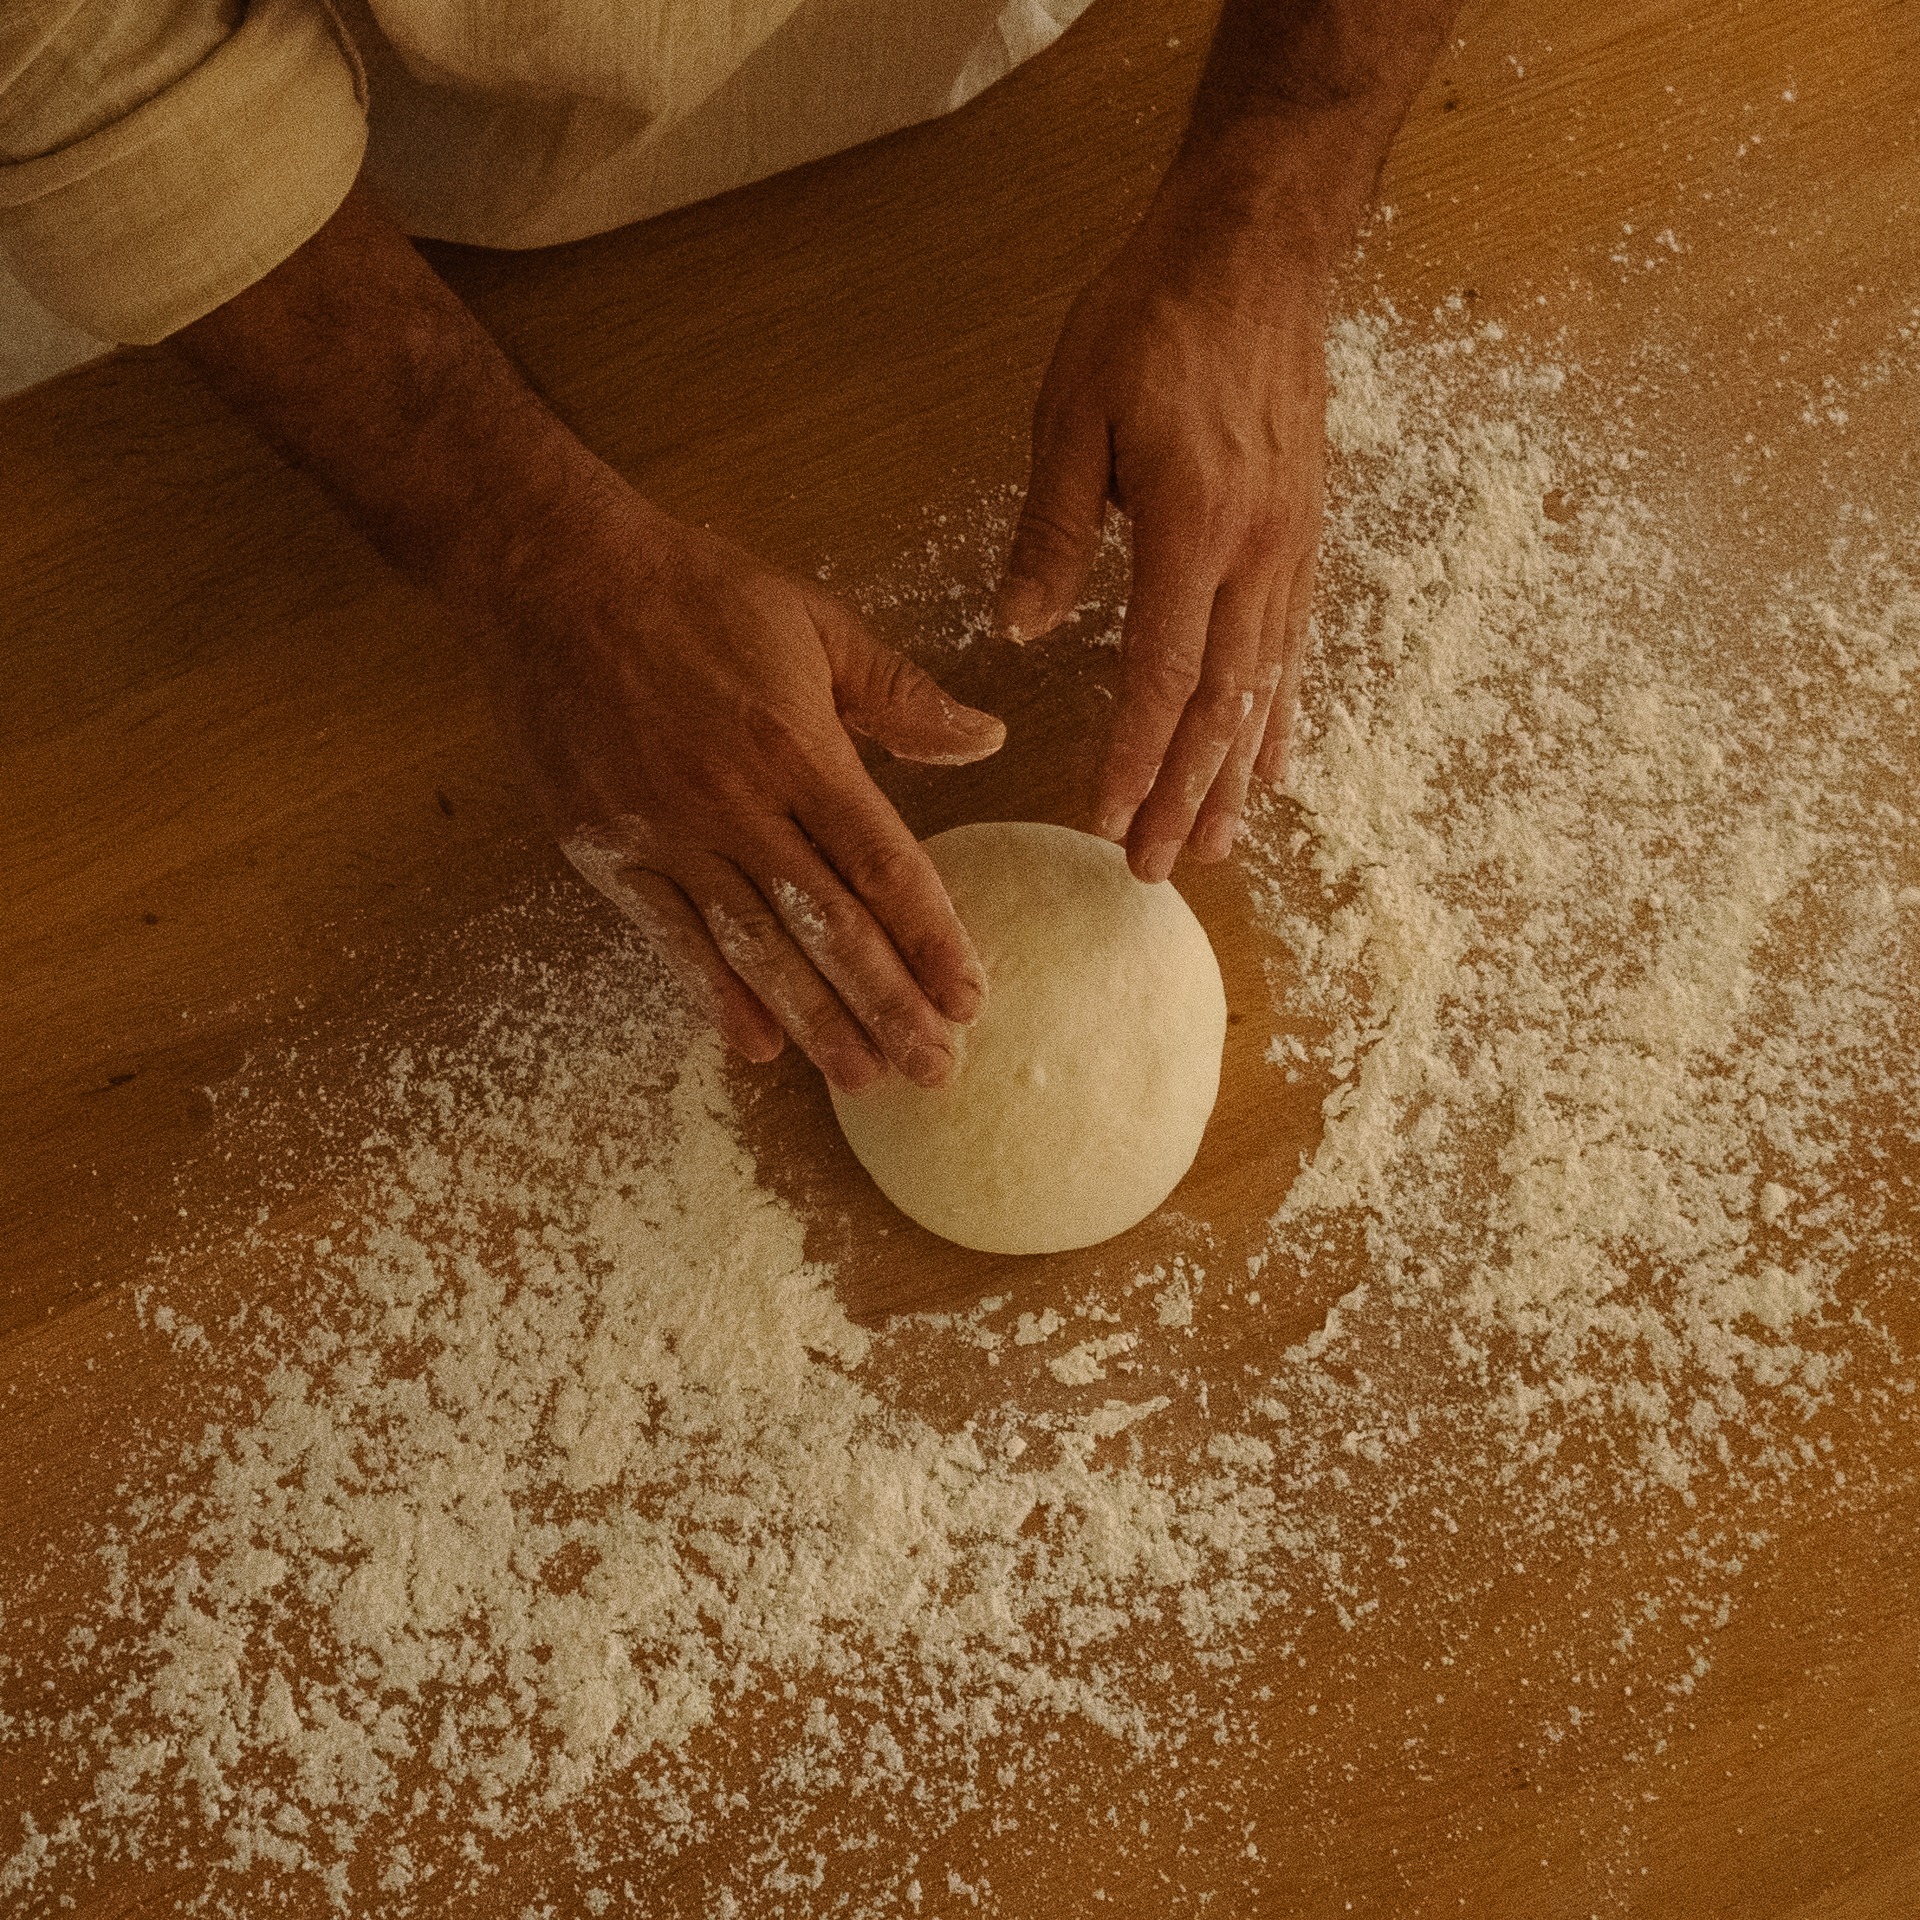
(1047, 534)
(934, 951)
(678, 944)
(879, 869)
(888, 676)
(899, 1015)
(895, 676)
(1166, 678)
(1222, 706)
(1267, 543)
(749, 937)
(819, 1025)
(808, 1008)
(820, 923)
(1235, 699)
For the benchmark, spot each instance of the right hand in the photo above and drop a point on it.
(687, 714)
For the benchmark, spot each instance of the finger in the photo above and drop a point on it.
(855, 827)
(1218, 822)
(1276, 749)
(1060, 523)
(667, 918)
(886, 697)
(853, 949)
(1162, 650)
(754, 941)
(1234, 680)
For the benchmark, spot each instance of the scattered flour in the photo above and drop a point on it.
(1080, 1366)
(570, 1460)
(1615, 941)
(1032, 1328)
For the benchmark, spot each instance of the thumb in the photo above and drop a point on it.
(1059, 531)
(886, 697)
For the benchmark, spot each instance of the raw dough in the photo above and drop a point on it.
(1080, 1094)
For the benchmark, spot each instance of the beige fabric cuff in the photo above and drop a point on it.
(159, 218)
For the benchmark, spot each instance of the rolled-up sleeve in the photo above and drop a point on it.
(147, 176)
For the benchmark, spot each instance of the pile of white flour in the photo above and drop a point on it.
(572, 1472)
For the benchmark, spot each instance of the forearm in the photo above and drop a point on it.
(361, 364)
(1296, 108)
(684, 711)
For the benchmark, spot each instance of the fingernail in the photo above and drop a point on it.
(1216, 841)
(855, 1072)
(975, 736)
(1113, 824)
(1157, 861)
(928, 1066)
(1019, 612)
(963, 1001)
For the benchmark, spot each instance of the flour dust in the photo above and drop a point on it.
(570, 1495)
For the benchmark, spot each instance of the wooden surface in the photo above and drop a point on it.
(252, 796)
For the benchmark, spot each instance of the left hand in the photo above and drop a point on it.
(1188, 389)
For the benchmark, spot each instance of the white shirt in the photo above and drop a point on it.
(157, 156)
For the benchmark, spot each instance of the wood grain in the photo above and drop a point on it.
(252, 806)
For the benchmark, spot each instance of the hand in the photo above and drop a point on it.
(686, 714)
(684, 710)
(1188, 389)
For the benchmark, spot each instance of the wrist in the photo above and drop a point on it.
(360, 364)
(520, 518)
(1249, 225)
(1295, 112)
(1283, 189)
(512, 508)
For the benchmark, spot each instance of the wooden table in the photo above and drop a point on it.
(253, 799)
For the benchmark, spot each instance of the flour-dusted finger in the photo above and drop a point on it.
(753, 939)
(1163, 650)
(1296, 640)
(870, 847)
(1235, 680)
(883, 695)
(854, 952)
(1218, 823)
(677, 933)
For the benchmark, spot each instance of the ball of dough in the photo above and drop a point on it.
(1079, 1096)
